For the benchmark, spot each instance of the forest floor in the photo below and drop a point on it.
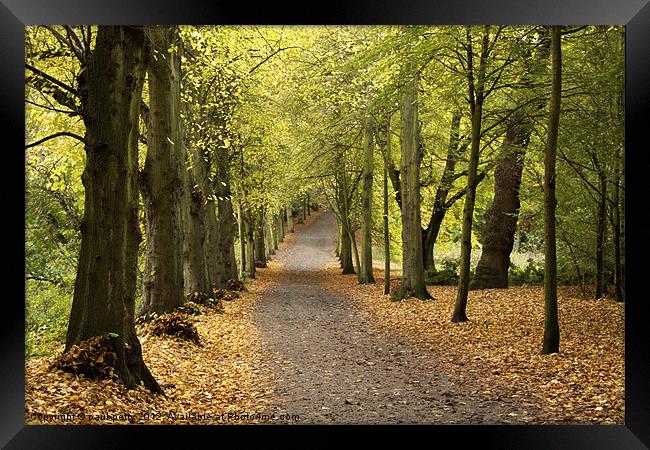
(308, 345)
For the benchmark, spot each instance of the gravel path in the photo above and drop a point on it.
(332, 367)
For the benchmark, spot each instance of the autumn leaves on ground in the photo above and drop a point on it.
(407, 363)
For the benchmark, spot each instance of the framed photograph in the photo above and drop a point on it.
(326, 216)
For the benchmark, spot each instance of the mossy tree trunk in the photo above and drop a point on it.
(195, 271)
(412, 266)
(226, 218)
(161, 178)
(104, 292)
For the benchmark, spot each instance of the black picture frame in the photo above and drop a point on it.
(635, 14)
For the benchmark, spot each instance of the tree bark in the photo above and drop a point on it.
(551, 342)
(226, 218)
(260, 240)
(346, 252)
(242, 240)
(617, 231)
(280, 221)
(365, 271)
(104, 293)
(476, 96)
(196, 275)
(600, 235)
(289, 218)
(387, 158)
(273, 225)
(412, 265)
(162, 178)
(250, 243)
(304, 208)
(501, 223)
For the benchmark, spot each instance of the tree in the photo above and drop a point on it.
(551, 325)
(161, 183)
(104, 294)
(412, 266)
(387, 144)
(501, 218)
(226, 219)
(476, 94)
(365, 271)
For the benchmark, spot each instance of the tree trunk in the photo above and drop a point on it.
(226, 220)
(205, 204)
(346, 251)
(289, 218)
(412, 266)
(195, 271)
(355, 250)
(501, 223)
(551, 326)
(365, 271)
(280, 221)
(338, 241)
(476, 95)
(242, 241)
(386, 229)
(600, 236)
(440, 203)
(270, 236)
(617, 231)
(502, 216)
(304, 209)
(250, 243)
(104, 293)
(161, 178)
(211, 250)
(196, 275)
(260, 241)
(275, 231)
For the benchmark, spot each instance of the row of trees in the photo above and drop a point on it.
(164, 150)
(497, 91)
(211, 141)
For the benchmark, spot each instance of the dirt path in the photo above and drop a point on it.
(333, 367)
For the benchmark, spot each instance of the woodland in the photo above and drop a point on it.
(324, 224)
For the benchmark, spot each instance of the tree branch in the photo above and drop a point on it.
(55, 135)
(51, 79)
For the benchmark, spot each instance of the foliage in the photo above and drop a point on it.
(175, 324)
(93, 358)
(47, 308)
(495, 355)
(447, 276)
(531, 275)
